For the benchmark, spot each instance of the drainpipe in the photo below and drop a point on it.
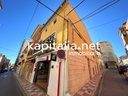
(58, 90)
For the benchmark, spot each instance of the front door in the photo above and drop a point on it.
(42, 74)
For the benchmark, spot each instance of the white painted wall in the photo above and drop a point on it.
(24, 45)
(127, 46)
(53, 76)
(0, 59)
(53, 79)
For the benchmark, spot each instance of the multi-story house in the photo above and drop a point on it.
(123, 60)
(20, 60)
(123, 32)
(30, 60)
(4, 63)
(2, 57)
(25, 59)
(64, 71)
(100, 62)
(108, 54)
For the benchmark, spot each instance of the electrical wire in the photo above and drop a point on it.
(75, 7)
(12, 55)
(98, 10)
(107, 22)
(8, 49)
(51, 9)
(30, 21)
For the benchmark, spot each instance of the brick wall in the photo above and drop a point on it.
(94, 68)
(78, 73)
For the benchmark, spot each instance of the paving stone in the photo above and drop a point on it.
(31, 89)
(89, 88)
(80, 92)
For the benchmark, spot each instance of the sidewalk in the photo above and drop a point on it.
(90, 88)
(28, 88)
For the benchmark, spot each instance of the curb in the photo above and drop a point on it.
(97, 86)
(100, 84)
(91, 88)
(20, 85)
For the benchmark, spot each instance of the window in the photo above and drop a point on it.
(107, 44)
(109, 53)
(104, 53)
(50, 40)
(124, 33)
(55, 20)
(103, 49)
(111, 58)
(45, 30)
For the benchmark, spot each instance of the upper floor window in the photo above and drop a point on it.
(104, 53)
(109, 53)
(124, 33)
(102, 45)
(45, 30)
(107, 44)
(54, 21)
(50, 40)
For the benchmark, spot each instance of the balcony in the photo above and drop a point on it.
(48, 44)
(30, 54)
(121, 30)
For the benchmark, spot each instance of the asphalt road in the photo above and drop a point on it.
(114, 84)
(9, 85)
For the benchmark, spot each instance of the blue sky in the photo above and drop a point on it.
(16, 15)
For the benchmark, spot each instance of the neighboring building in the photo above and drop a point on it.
(64, 71)
(19, 60)
(100, 62)
(30, 60)
(108, 55)
(123, 60)
(25, 60)
(2, 57)
(123, 32)
(4, 63)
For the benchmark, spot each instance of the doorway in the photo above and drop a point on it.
(42, 74)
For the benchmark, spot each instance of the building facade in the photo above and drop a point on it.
(4, 63)
(123, 60)
(108, 54)
(123, 32)
(20, 58)
(100, 62)
(55, 55)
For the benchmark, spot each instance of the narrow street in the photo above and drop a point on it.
(8, 85)
(114, 84)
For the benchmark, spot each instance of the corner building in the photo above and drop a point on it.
(56, 76)
(123, 32)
